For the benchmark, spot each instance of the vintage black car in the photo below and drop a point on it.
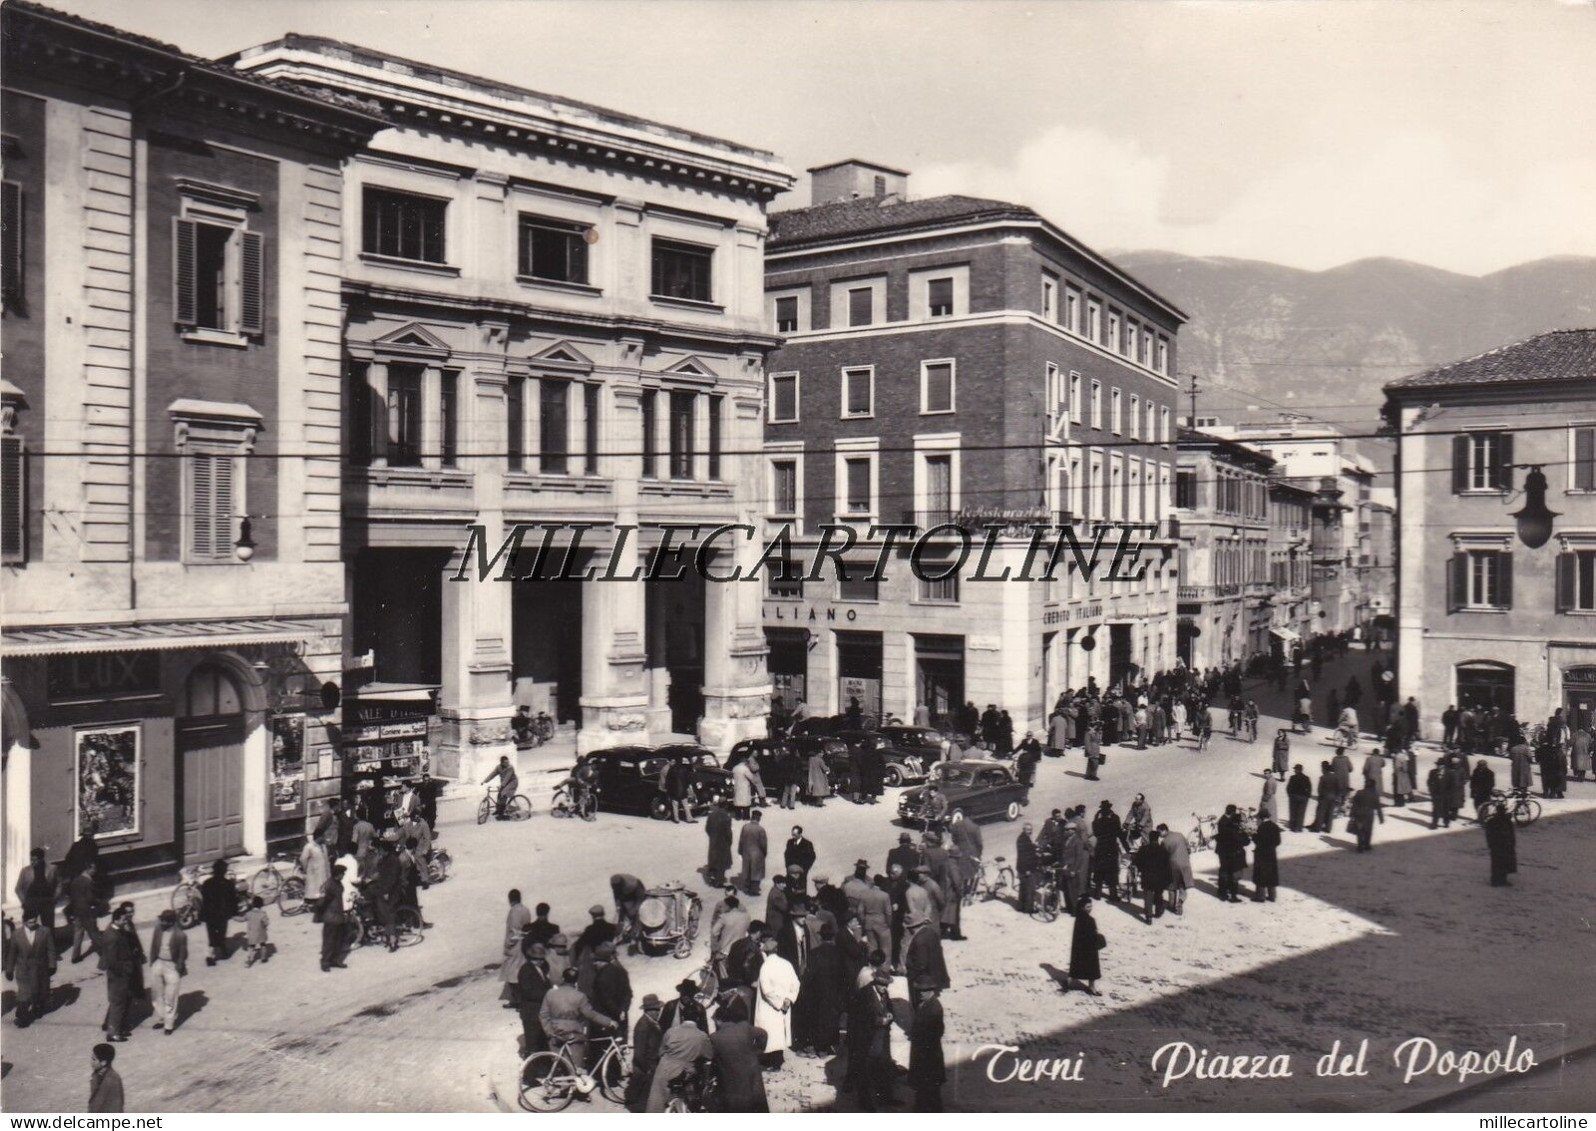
(762, 748)
(978, 789)
(628, 777)
(901, 765)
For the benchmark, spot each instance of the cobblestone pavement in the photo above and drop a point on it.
(1407, 939)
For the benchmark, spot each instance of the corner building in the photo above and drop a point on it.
(1483, 618)
(174, 596)
(961, 360)
(554, 315)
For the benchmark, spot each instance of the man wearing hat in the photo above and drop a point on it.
(596, 932)
(567, 1014)
(906, 854)
(875, 916)
(646, 1038)
(922, 957)
(685, 1006)
(778, 989)
(1026, 758)
(559, 957)
(612, 986)
(854, 887)
(870, 1068)
(926, 1069)
(829, 902)
(629, 893)
(752, 844)
(533, 983)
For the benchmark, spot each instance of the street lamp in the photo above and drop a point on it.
(1535, 519)
(244, 548)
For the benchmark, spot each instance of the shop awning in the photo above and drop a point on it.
(1286, 634)
(73, 640)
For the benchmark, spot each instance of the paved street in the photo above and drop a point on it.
(1396, 936)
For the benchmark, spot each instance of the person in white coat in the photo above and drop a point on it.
(778, 989)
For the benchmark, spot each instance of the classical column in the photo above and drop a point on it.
(736, 683)
(615, 697)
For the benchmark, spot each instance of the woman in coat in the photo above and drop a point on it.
(1058, 733)
(1266, 801)
(738, 1046)
(1178, 849)
(1084, 945)
(1401, 778)
(743, 785)
(718, 827)
(1265, 861)
(819, 783)
(316, 867)
(1523, 766)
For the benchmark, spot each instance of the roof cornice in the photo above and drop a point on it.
(531, 123)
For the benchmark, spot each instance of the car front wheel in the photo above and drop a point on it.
(1012, 813)
(659, 808)
(894, 775)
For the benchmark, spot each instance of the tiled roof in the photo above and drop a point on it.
(869, 215)
(1562, 355)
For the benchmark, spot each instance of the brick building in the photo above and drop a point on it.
(1484, 617)
(964, 360)
(174, 598)
(554, 315)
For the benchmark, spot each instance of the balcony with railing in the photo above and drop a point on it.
(1207, 592)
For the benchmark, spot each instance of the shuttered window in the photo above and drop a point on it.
(13, 500)
(218, 278)
(212, 501)
(12, 247)
(1480, 579)
(1576, 582)
(715, 425)
(1584, 473)
(938, 490)
(1482, 461)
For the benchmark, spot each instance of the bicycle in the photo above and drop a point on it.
(1048, 897)
(550, 1081)
(1345, 738)
(518, 808)
(1523, 808)
(584, 805)
(287, 891)
(406, 925)
(187, 899)
(1202, 837)
(696, 1090)
(994, 879)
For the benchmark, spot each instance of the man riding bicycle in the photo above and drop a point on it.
(508, 782)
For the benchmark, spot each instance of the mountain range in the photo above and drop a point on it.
(1324, 343)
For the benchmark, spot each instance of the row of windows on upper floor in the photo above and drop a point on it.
(1233, 494)
(1068, 394)
(787, 580)
(944, 292)
(1481, 580)
(554, 426)
(1081, 485)
(1482, 460)
(411, 227)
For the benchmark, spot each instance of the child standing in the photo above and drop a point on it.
(255, 931)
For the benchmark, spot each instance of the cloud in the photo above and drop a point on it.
(1401, 193)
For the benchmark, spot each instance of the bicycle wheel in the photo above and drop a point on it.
(407, 926)
(613, 1074)
(266, 883)
(186, 902)
(484, 810)
(560, 806)
(1526, 812)
(1045, 908)
(519, 808)
(291, 896)
(548, 1082)
(587, 808)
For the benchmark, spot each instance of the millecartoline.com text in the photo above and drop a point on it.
(1113, 552)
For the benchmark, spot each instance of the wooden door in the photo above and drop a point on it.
(211, 753)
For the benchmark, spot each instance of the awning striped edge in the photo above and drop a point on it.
(68, 640)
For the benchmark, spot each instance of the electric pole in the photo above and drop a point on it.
(1191, 421)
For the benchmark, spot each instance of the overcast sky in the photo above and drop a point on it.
(1312, 133)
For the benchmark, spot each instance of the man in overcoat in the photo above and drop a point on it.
(31, 962)
(752, 845)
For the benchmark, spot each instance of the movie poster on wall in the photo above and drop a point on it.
(288, 764)
(108, 781)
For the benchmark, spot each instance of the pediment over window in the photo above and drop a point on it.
(415, 340)
(563, 355)
(692, 368)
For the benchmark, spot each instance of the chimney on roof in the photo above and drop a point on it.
(857, 180)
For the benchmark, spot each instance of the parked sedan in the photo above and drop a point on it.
(979, 790)
(628, 777)
(901, 764)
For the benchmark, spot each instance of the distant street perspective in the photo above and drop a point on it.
(512, 601)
